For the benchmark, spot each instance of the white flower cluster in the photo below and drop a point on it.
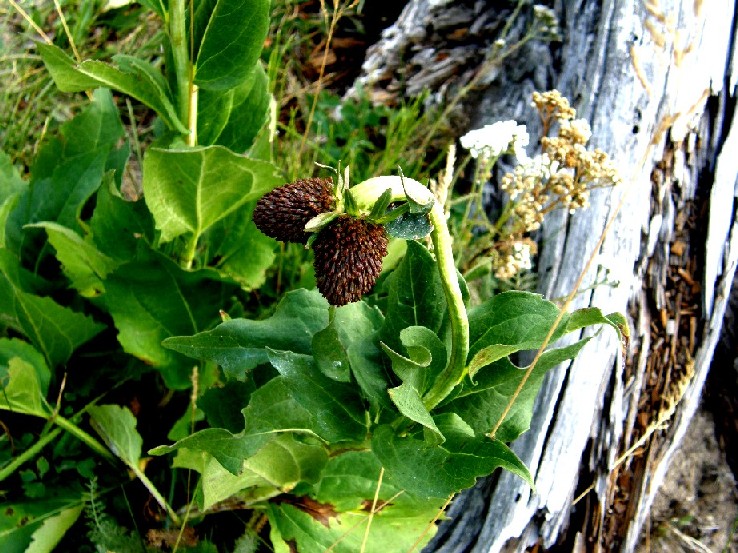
(492, 140)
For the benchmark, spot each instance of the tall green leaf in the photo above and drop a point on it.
(232, 43)
(67, 172)
(54, 330)
(151, 298)
(189, 190)
(81, 262)
(239, 345)
(117, 427)
(482, 403)
(416, 296)
(131, 76)
(438, 471)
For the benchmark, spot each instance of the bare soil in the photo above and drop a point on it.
(696, 509)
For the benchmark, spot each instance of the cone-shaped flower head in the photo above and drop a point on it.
(348, 258)
(283, 213)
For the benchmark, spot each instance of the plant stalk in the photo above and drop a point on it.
(28, 454)
(456, 369)
(181, 57)
(83, 436)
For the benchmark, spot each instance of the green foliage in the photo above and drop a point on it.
(115, 287)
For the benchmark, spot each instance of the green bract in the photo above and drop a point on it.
(346, 427)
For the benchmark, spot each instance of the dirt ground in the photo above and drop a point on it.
(697, 506)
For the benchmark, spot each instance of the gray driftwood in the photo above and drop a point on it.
(657, 82)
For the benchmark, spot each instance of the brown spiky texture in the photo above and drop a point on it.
(283, 213)
(348, 258)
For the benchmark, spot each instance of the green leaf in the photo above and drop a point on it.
(67, 172)
(336, 406)
(189, 190)
(234, 118)
(117, 427)
(10, 348)
(230, 450)
(273, 407)
(81, 262)
(37, 526)
(518, 319)
(241, 251)
(403, 528)
(10, 180)
(151, 298)
(223, 405)
(21, 390)
(409, 403)
(119, 225)
(239, 345)
(279, 466)
(590, 316)
(441, 470)
(410, 226)
(348, 344)
(427, 357)
(416, 296)
(54, 330)
(232, 43)
(482, 404)
(132, 76)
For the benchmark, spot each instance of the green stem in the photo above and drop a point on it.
(180, 55)
(28, 454)
(365, 195)
(154, 492)
(83, 436)
(456, 369)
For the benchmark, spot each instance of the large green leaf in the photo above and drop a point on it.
(273, 407)
(316, 528)
(426, 357)
(54, 330)
(37, 526)
(229, 449)
(81, 262)
(67, 172)
(336, 406)
(10, 180)
(117, 427)
(233, 118)
(119, 225)
(276, 468)
(151, 298)
(409, 403)
(232, 43)
(416, 296)
(248, 112)
(10, 348)
(482, 403)
(240, 251)
(189, 190)
(519, 319)
(20, 389)
(131, 76)
(441, 470)
(239, 345)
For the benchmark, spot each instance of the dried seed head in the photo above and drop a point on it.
(348, 258)
(283, 213)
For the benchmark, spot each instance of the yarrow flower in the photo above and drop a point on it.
(348, 250)
(493, 140)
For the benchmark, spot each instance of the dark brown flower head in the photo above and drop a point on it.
(348, 258)
(283, 213)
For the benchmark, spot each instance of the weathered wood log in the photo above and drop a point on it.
(657, 83)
